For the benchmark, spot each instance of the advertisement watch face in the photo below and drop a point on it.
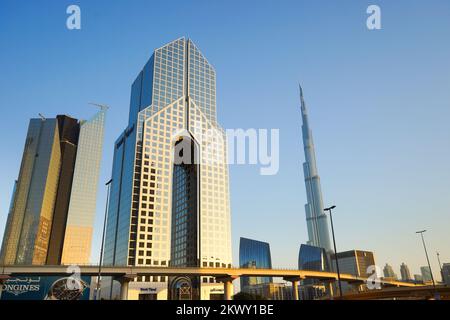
(46, 288)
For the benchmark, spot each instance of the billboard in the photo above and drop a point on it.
(46, 288)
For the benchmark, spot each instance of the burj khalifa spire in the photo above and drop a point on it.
(316, 219)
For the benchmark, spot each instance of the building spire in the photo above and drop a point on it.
(302, 101)
(317, 221)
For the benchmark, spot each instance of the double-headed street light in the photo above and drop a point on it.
(329, 209)
(428, 260)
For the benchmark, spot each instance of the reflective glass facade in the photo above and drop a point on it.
(355, 262)
(119, 212)
(147, 189)
(8, 224)
(69, 131)
(83, 197)
(254, 254)
(185, 209)
(312, 258)
(202, 83)
(184, 242)
(315, 259)
(35, 200)
(53, 204)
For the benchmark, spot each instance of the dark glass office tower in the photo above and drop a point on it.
(53, 206)
(313, 258)
(8, 224)
(254, 254)
(69, 130)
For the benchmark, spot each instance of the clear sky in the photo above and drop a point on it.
(379, 105)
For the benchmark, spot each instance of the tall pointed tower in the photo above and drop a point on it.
(316, 219)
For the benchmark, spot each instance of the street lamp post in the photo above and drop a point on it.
(108, 184)
(329, 209)
(440, 266)
(428, 260)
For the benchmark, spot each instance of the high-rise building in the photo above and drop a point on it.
(254, 254)
(316, 219)
(418, 278)
(316, 259)
(388, 272)
(166, 209)
(405, 273)
(313, 258)
(54, 200)
(446, 273)
(354, 262)
(426, 274)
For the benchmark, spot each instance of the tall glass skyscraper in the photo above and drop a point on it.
(83, 196)
(254, 254)
(163, 212)
(446, 273)
(313, 258)
(388, 271)
(426, 274)
(316, 219)
(355, 262)
(53, 206)
(405, 273)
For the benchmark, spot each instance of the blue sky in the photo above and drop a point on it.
(379, 104)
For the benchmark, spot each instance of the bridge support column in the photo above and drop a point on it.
(330, 289)
(124, 283)
(295, 290)
(227, 286)
(124, 290)
(295, 281)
